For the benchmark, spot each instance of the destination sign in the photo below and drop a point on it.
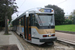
(46, 10)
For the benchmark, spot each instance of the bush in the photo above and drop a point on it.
(0, 28)
(67, 21)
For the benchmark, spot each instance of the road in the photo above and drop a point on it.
(56, 46)
(66, 37)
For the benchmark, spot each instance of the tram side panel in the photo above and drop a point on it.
(36, 36)
(14, 26)
(20, 27)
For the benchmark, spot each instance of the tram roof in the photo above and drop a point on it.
(38, 10)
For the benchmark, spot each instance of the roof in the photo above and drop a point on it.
(35, 10)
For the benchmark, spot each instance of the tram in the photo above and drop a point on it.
(36, 26)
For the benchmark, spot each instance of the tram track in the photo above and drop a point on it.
(30, 46)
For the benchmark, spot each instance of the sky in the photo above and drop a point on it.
(67, 5)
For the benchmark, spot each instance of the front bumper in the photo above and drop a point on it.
(48, 39)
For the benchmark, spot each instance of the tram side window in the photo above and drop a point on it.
(17, 23)
(13, 23)
(32, 19)
(29, 21)
(22, 21)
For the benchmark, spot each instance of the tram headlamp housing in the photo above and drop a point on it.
(49, 35)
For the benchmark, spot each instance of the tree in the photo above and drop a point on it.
(68, 21)
(7, 8)
(58, 13)
(72, 16)
(11, 8)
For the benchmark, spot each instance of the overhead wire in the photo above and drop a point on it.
(61, 2)
(20, 7)
(22, 3)
(28, 9)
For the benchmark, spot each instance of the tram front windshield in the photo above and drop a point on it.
(45, 20)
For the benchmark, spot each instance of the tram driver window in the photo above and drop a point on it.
(32, 19)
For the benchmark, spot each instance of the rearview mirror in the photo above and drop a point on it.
(27, 14)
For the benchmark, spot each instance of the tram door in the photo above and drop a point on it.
(27, 28)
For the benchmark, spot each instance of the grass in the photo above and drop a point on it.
(70, 27)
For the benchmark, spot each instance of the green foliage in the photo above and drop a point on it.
(0, 28)
(7, 8)
(70, 27)
(73, 12)
(72, 16)
(58, 13)
(67, 21)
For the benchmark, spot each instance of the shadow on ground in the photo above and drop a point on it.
(9, 47)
